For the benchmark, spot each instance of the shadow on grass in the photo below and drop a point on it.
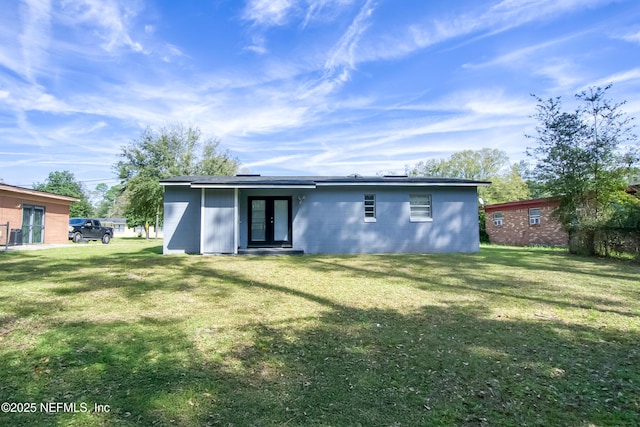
(435, 365)
(471, 273)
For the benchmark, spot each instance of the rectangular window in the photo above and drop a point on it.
(370, 207)
(420, 207)
(534, 216)
(498, 218)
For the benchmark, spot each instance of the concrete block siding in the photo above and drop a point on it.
(326, 215)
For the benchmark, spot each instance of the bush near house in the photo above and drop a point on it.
(618, 235)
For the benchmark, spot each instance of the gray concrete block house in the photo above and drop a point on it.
(319, 214)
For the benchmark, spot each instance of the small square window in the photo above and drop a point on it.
(370, 207)
(534, 216)
(420, 207)
(498, 218)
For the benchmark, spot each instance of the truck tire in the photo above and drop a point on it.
(77, 238)
(106, 239)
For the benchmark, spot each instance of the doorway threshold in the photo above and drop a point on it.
(270, 251)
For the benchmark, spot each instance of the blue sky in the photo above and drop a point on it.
(291, 87)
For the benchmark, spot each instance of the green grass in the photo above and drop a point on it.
(508, 336)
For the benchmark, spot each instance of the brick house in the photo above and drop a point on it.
(525, 223)
(33, 216)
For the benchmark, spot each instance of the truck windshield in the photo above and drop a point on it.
(76, 221)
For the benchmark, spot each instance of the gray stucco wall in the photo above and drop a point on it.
(329, 220)
(181, 227)
(218, 223)
(332, 221)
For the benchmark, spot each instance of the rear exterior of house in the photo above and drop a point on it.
(320, 215)
(525, 223)
(34, 217)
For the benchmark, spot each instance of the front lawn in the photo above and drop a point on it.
(509, 336)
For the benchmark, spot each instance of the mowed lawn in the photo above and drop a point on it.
(508, 336)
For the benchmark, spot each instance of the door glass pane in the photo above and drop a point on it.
(26, 223)
(281, 220)
(37, 227)
(258, 220)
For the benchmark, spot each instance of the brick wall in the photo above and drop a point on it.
(57, 224)
(56, 215)
(516, 230)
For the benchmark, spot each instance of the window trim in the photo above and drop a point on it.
(429, 205)
(370, 209)
(535, 219)
(498, 221)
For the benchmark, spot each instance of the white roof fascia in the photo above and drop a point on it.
(402, 184)
(166, 184)
(253, 186)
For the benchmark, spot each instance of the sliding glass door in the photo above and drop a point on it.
(32, 224)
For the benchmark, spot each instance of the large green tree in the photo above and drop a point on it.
(583, 156)
(171, 150)
(486, 164)
(65, 184)
(107, 198)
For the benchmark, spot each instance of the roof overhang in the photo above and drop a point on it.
(24, 192)
(402, 184)
(545, 201)
(311, 182)
(252, 186)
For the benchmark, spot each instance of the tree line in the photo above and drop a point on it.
(171, 150)
(587, 156)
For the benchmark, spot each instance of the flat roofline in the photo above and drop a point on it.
(402, 184)
(256, 181)
(231, 186)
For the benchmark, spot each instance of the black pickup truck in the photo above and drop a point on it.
(84, 229)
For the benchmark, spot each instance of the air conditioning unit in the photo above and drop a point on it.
(497, 222)
(534, 221)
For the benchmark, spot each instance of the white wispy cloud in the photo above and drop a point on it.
(525, 55)
(342, 58)
(479, 22)
(273, 13)
(35, 37)
(632, 74)
(562, 72)
(632, 37)
(258, 45)
(324, 10)
(459, 123)
(274, 160)
(268, 12)
(624, 83)
(299, 105)
(170, 51)
(316, 89)
(109, 20)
